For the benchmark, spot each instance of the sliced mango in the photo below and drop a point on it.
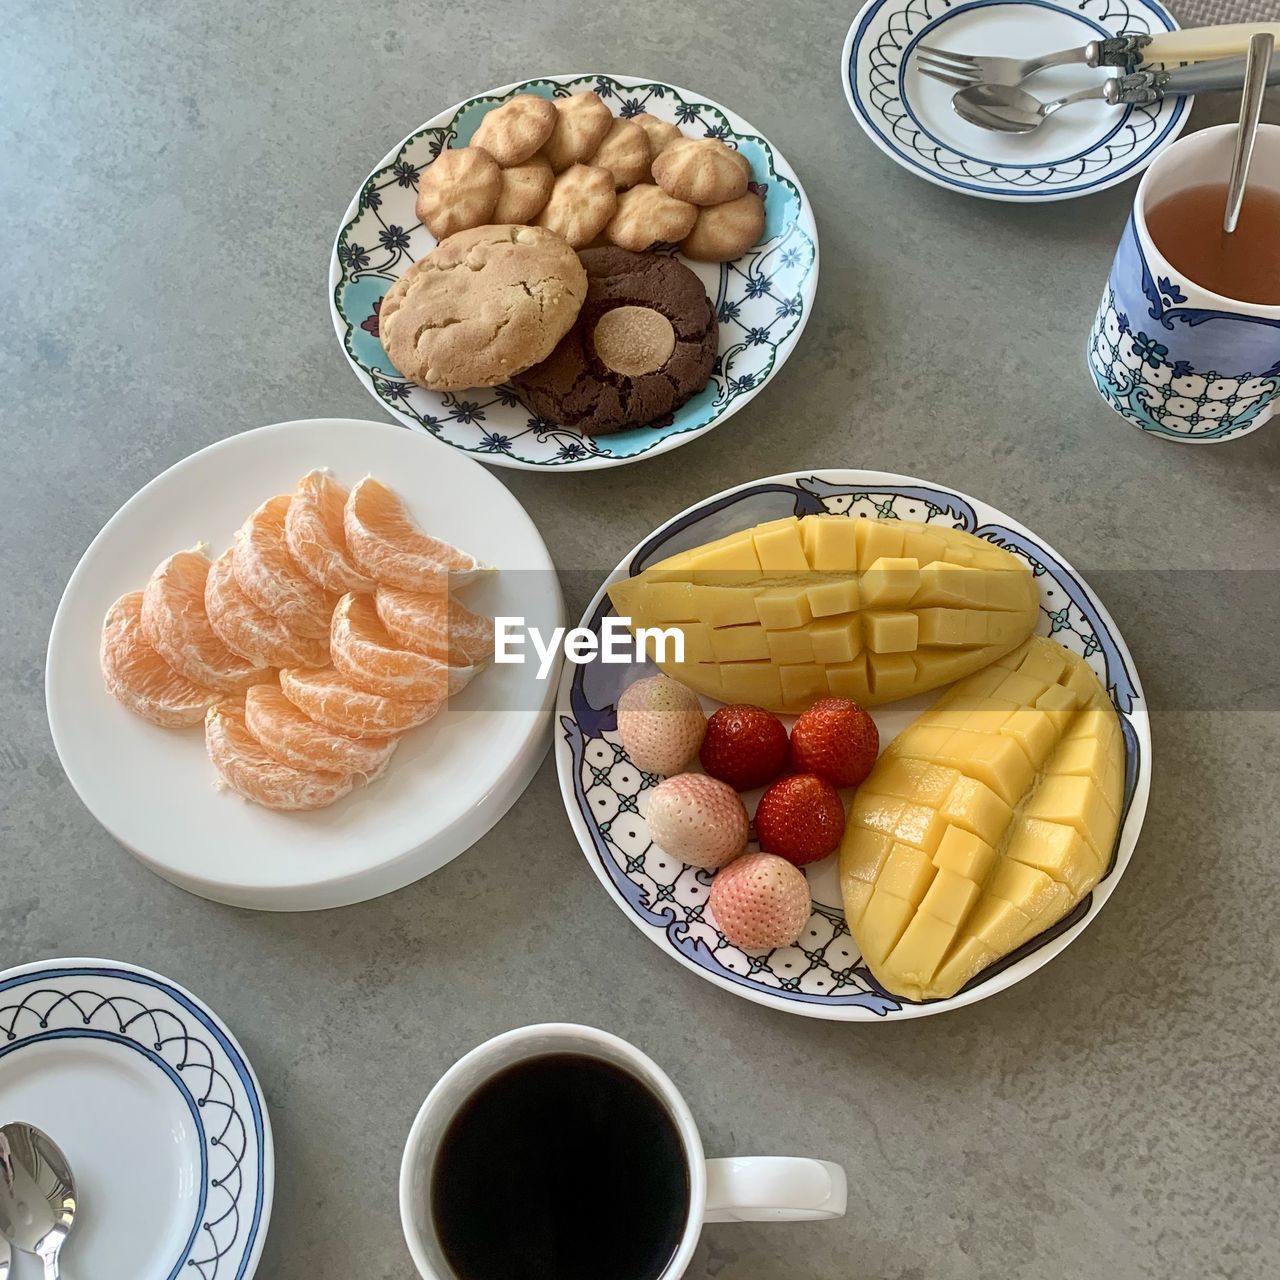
(800, 609)
(984, 822)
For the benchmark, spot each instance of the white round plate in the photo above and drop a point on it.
(823, 975)
(448, 781)
(156, 1109)
(762, 299)
(1080, 149)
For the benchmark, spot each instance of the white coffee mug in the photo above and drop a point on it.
(739, 1189)
(1178, 361)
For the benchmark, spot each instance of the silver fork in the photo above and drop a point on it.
(964, 69)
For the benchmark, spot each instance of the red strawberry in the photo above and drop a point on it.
(800, 818)
(744, 746)
(837, 740)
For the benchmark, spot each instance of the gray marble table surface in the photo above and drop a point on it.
(173, 174)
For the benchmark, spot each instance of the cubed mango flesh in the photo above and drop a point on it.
(984, 822)
(887, 608)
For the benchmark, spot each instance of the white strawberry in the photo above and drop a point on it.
(760, 902)
(700, 820)
(661, 724)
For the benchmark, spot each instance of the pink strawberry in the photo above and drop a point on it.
(745, 746)
(837, 740)
(661, 724)
(760, 902)
(801, 818)
(698, 819)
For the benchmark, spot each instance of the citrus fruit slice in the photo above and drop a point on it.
(333, 702)
(363, 651)
(293, 738)
(268, 576)
(313, 533)
(385, 543)
(139, 678)
(252, 632)
(176, 625)
(246, 768)
(433, 623)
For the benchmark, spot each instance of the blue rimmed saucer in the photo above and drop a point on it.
(763, 299)
(823, 975)
(1078, 150)
(158, 1112)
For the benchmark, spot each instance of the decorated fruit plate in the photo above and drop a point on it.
(823, 975)
(448, 782)
(129, 1073)
(762, 299)
(1082, 149)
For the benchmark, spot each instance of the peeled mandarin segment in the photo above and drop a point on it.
(177, 626)
(246, 768)
(252, 632)
(364, 653)
(268, 576)
(314, 535)
(333, 702)
(386, 544)
(433, 623)
(984, 822)
(139, 678)
(291, 737)
(798, 609)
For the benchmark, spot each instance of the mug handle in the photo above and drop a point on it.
(774, 1189)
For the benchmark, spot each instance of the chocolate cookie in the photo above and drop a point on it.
(644, 342)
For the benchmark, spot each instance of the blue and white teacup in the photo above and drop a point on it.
(1170, 357)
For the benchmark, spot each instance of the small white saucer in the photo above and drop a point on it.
(155, 1107)
(449, 781)
(1081, 149)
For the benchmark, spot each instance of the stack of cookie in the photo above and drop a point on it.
(569, 165)
(618, 337)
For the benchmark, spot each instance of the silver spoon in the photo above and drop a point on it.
(1256, 72)
(4, 1258)
(37, 1194)
(1008, 109)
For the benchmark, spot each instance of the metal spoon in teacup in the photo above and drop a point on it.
(1007, 109)
(37, 1194)
(1257, 77)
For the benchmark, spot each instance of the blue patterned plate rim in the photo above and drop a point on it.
(743, 367)
(872, 118)
(246, 1201)
(586, 715)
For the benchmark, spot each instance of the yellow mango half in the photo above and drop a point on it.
(800, 609)
(984, 822)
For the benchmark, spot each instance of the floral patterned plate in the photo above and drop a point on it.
(909, 116)
(823, 975)
(762, 299)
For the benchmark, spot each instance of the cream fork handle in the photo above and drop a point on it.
(1196, 44)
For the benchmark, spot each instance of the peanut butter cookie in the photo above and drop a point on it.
(512, 132)
(483, 305)
(726, 231)
(625, 153)
(458, 190)
(525, 189)
(582, 120)
(702, 171)
(646, 216)
(581, 204)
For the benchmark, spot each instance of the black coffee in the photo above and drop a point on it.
(562, 1167)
